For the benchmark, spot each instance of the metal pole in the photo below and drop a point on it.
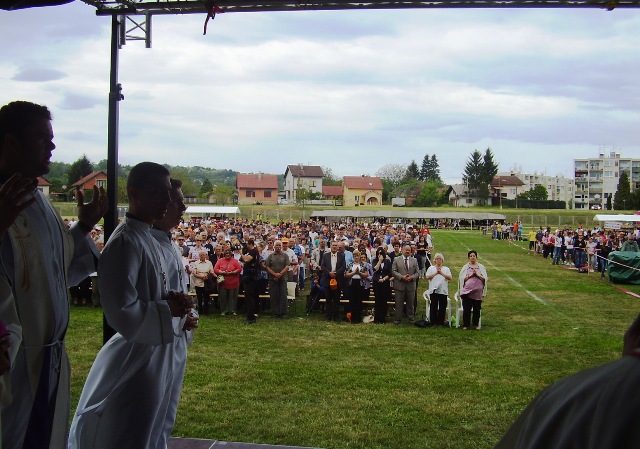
(115, 95)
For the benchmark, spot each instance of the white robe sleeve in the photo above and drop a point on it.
(131, 293)
(83, 258)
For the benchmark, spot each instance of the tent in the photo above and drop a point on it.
(624, 267)
(208, 211)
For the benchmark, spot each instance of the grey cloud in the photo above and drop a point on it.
(38, 74)
(72, 101)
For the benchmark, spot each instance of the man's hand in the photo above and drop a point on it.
(191, 322)
(179, 303)
(15, 195)
(91, 213)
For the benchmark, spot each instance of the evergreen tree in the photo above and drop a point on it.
(473, 171)
(623, 199)
(412, 171)
(78, 170)
(425, 168)
(434, 173)
(489, 167)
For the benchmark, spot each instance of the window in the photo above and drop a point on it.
(312, 183)
(357, 199)
(251, 194)
(267, 193)
(101, 183)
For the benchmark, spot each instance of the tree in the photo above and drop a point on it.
(78, 170)
(224, 194)
(430, 169)
(205, 188)
(609, 199)
(392, 172)
(412, 171)
(489, 167)
(425, 168)
(189, 188)
(538, 193)
(329, 179)
(429, 195)
(473, 171)
(434, 172)
(623, 199)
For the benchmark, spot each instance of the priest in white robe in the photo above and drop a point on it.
(182, 327)
(39, 259)
(594, 409)
(126, 387)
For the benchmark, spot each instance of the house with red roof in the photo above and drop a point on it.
(300, 176)
(362, 190)
(257, 188)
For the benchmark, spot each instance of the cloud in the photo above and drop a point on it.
(38, 74)
(73, 101)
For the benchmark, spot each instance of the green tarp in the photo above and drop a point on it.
(624, 267)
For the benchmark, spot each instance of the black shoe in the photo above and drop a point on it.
(250, 322)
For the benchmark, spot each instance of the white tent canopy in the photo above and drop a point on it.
(212, 210)
(620, 217)
(408, 214)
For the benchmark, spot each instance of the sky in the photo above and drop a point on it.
(349, 90)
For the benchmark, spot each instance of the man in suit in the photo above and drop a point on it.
(405, 274)
(333, 267)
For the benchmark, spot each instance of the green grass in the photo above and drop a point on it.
(309, 383)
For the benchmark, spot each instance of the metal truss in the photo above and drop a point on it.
(153, 7)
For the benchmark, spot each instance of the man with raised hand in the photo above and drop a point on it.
(40, 257)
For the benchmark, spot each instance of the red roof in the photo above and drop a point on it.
(504, 181)
(329, 191)
(90, 176)
(305, 171)
(363, 182)
(42, 181)
(256, 181)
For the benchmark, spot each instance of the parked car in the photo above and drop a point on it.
(596, 207)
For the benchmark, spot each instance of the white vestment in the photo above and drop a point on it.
(127, 385)
(177, 278)
(39, 259)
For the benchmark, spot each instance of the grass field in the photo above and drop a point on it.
(310, 383)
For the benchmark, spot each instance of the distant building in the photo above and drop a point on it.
(96, 178)
(596, 179)
(335, 193)
(302, 177)
(44, 185)
(257, 188)
(559, 188)
(505, 188)
(362, 190)
(459, 196)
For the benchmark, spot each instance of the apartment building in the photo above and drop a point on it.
(596, 179)
(559, 187)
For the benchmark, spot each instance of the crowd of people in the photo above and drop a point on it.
(586, 249)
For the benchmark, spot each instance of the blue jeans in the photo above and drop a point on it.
(301, 277)
(557, 255)
(580, 258)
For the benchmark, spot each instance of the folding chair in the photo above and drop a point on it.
(291, 293)
(427, 300)
(460, 310)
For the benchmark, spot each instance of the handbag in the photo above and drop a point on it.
(210, 283)
(220, 279)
